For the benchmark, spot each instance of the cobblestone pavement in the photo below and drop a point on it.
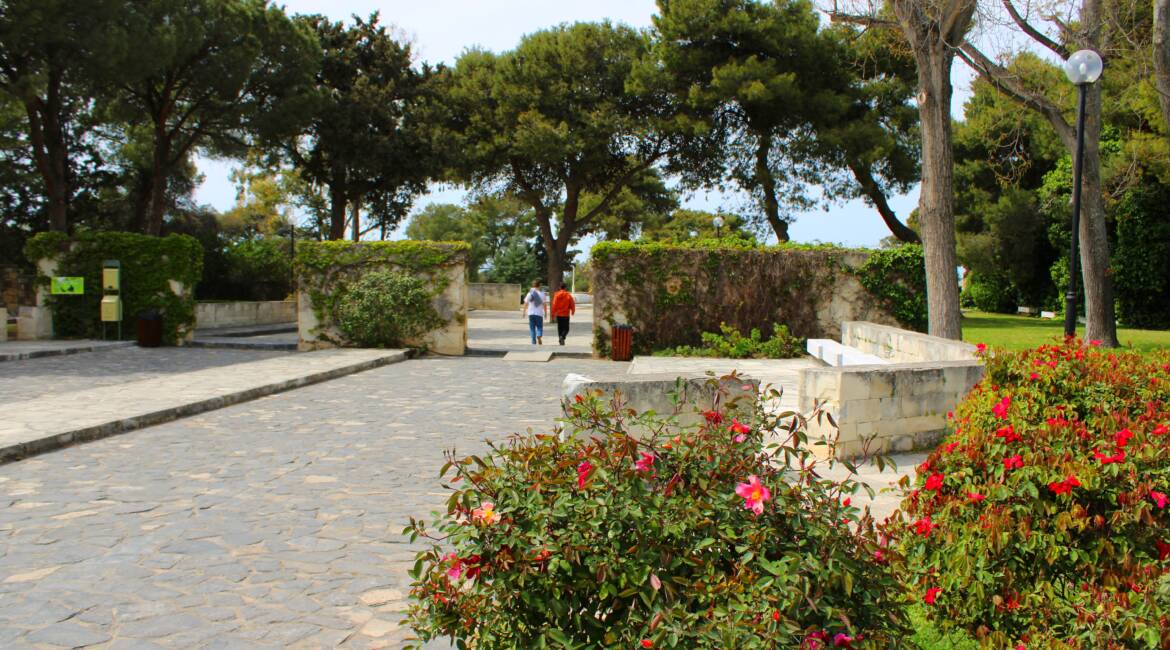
(274, 523)
(507, 331)
(32, 378)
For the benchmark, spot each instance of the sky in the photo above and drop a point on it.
(442, 29)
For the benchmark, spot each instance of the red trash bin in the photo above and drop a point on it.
(621, 344)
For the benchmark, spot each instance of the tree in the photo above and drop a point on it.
(645, 204)
(366, 145)
(50, 53)
(685, 224)
(218, 75)
(931, 28)
(1098, 284)
(554, 120)
(489, 224)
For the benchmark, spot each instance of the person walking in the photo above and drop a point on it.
(563, 306)
(536, 307)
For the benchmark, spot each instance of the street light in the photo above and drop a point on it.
(718, 221)
(1082, 68)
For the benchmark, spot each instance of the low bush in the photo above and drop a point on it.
(687, 537)
(729, 343)
(386, 309)
(989, 293)
(1042, 522)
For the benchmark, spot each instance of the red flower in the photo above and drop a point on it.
(931, 595)
(1000, 410)
(1108, 460)
(1008, 433)
(981, 347)
(1094, 342)
(578, 398)
(1013, 462)
(582, 472)
(1034, 376)
(934, 482)
(775, 615)
(924, 526)
(846, 502)
(1122, 437)
(738, 427)
(1159, 498)
(842, 640)
(1065, 486)
(879, 556)
(645, 463)
(1163, 549)
(647, 643)
(713, 417)
(950, 447)
(1160, 430)
(975, 497)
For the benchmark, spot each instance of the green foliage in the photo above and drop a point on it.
(327, 270)
(991, 293)
(255, 269)
(1141, 257)
(149, 264)
(729, 343)
(384, 309)
(686, 225)
(928, 637)
(516, 263)
(598, 539)
(490, 224)
(897, 276)
(1043, 517)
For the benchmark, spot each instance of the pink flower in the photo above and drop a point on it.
(815, 640)
(486, 513)
(842, 640)
(879, 556)
(1094, 342)
(740, 429)
(1000, 410)
(582, 472)
(975, 497)
(934, 482)
(1122, 437)
(645, 463)
(1159, 498)
(1008, 433)
(1013, 462)
(981, 347)
(924, 526)
(456, 569)
(754, 494)
(931, 595)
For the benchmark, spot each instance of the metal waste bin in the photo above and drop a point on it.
(150, 324)
(621, 343)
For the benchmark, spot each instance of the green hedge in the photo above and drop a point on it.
(327, 270)
(149, 264)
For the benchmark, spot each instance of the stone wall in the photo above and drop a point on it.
(16, 288)
(670, 294)
(324, 269)
(499, 297)
(894, 407)
(244, 313)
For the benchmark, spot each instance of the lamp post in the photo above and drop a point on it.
(718, 222)
(1082, 68)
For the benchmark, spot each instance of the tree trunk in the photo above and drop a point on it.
(1162, 58)
(158, 186)
(1096, 271)
(337, 201)
(934, 55)
(50, 152)
(767, 185)
(355, 214)
(870, 189)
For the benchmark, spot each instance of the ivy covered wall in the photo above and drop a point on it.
(158, 274)
(671, 293)
(326, 270)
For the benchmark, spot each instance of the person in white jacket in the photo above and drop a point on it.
(536, 308)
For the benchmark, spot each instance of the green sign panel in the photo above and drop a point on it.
(66, 286)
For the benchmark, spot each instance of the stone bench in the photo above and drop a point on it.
(837, 354)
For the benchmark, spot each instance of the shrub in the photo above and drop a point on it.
(1141, 257)
(1042, 519)
(386, 309)
(990, 293)
(250, 269)
(730, 344)
(594, 538)
(897, 277)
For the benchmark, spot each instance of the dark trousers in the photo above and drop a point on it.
(562, 327)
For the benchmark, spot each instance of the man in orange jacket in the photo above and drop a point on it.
(562, 308)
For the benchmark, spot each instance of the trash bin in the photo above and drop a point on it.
(150, 324)
(621, 343)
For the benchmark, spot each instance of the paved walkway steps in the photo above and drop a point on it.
(44, 423)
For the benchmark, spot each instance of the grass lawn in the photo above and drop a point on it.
(1018, 332)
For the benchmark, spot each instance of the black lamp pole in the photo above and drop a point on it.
(1070, 297)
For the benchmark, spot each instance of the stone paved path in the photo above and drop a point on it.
(507, 331)
(274, 523)
(32, 378)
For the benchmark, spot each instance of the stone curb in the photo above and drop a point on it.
(231, 344)
(55, 441)
(58, 352)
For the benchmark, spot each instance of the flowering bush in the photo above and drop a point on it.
(1042, 521)
(685, 538)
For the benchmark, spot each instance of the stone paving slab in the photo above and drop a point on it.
(274, 341)
(781, 374)
(37, 425)
(246, 330)
(531, 357)
(21, 350)
(507, 331)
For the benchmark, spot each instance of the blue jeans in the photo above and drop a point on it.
(535, 326)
